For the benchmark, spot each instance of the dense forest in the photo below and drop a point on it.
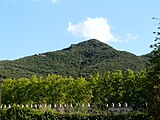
(111, 87)
(83, 59)
(88, 72)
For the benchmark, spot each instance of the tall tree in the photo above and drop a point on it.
(154, 74)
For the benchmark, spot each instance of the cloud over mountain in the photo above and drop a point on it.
(92, 28)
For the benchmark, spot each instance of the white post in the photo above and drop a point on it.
(5, 106)
(119, 104)
(55, 105)
(26, 105)
(107, 105)
(126, 104)
(89, 105)
(60, 105)
(9, 106)
(49, 105)
(22, 106)
(40, 106)
(45, 105)
(71, 106)
(65, 105)
(82, 105)
(112, 104)
(146, 104)
(35, 106)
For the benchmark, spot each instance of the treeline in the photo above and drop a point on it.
(107, 88)
(83, 59)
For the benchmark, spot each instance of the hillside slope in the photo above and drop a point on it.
(81, 59)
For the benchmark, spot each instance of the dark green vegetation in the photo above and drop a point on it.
(17, 113)
(83, 59)
(88, 72)
(113, 87)
(153, 75)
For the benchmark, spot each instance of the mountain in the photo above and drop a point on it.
(83, 59)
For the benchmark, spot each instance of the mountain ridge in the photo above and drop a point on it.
(82, 59)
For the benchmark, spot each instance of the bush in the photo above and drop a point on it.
(18, 113)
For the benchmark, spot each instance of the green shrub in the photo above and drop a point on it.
(18, 113)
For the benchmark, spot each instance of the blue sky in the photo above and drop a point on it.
(29, 27)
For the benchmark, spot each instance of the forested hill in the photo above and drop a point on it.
(81, 59)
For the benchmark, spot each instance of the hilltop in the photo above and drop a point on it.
(82, 59)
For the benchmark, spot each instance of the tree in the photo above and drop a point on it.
(129, 86)
(154, 75)
(116, 86)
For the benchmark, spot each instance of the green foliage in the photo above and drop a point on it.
(83, 59)
(154, 76)
(111, 87)
(102, 89)
(17, 113)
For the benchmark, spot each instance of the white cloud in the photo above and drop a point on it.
(130, 36)
(126, 38)
(92, 28)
